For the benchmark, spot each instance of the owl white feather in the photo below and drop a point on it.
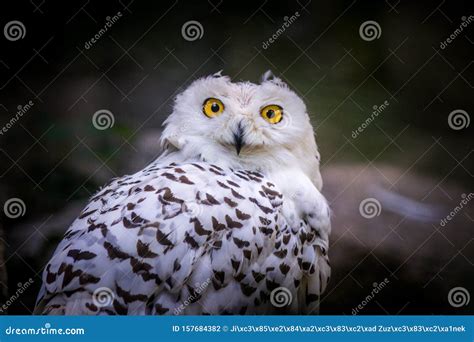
(228, 220)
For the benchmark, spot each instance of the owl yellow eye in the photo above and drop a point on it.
(212, 107)
(272, 113)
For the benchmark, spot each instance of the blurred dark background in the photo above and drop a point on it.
(409, 158)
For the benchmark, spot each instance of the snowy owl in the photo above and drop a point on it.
(229, 219)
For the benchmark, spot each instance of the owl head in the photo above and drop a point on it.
(243, 125)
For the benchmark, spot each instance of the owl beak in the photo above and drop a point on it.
(239, 139)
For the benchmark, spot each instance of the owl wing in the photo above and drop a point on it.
(183, 239)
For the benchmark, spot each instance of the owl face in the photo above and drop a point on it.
(240, 123)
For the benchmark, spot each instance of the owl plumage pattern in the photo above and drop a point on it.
(229, 219)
